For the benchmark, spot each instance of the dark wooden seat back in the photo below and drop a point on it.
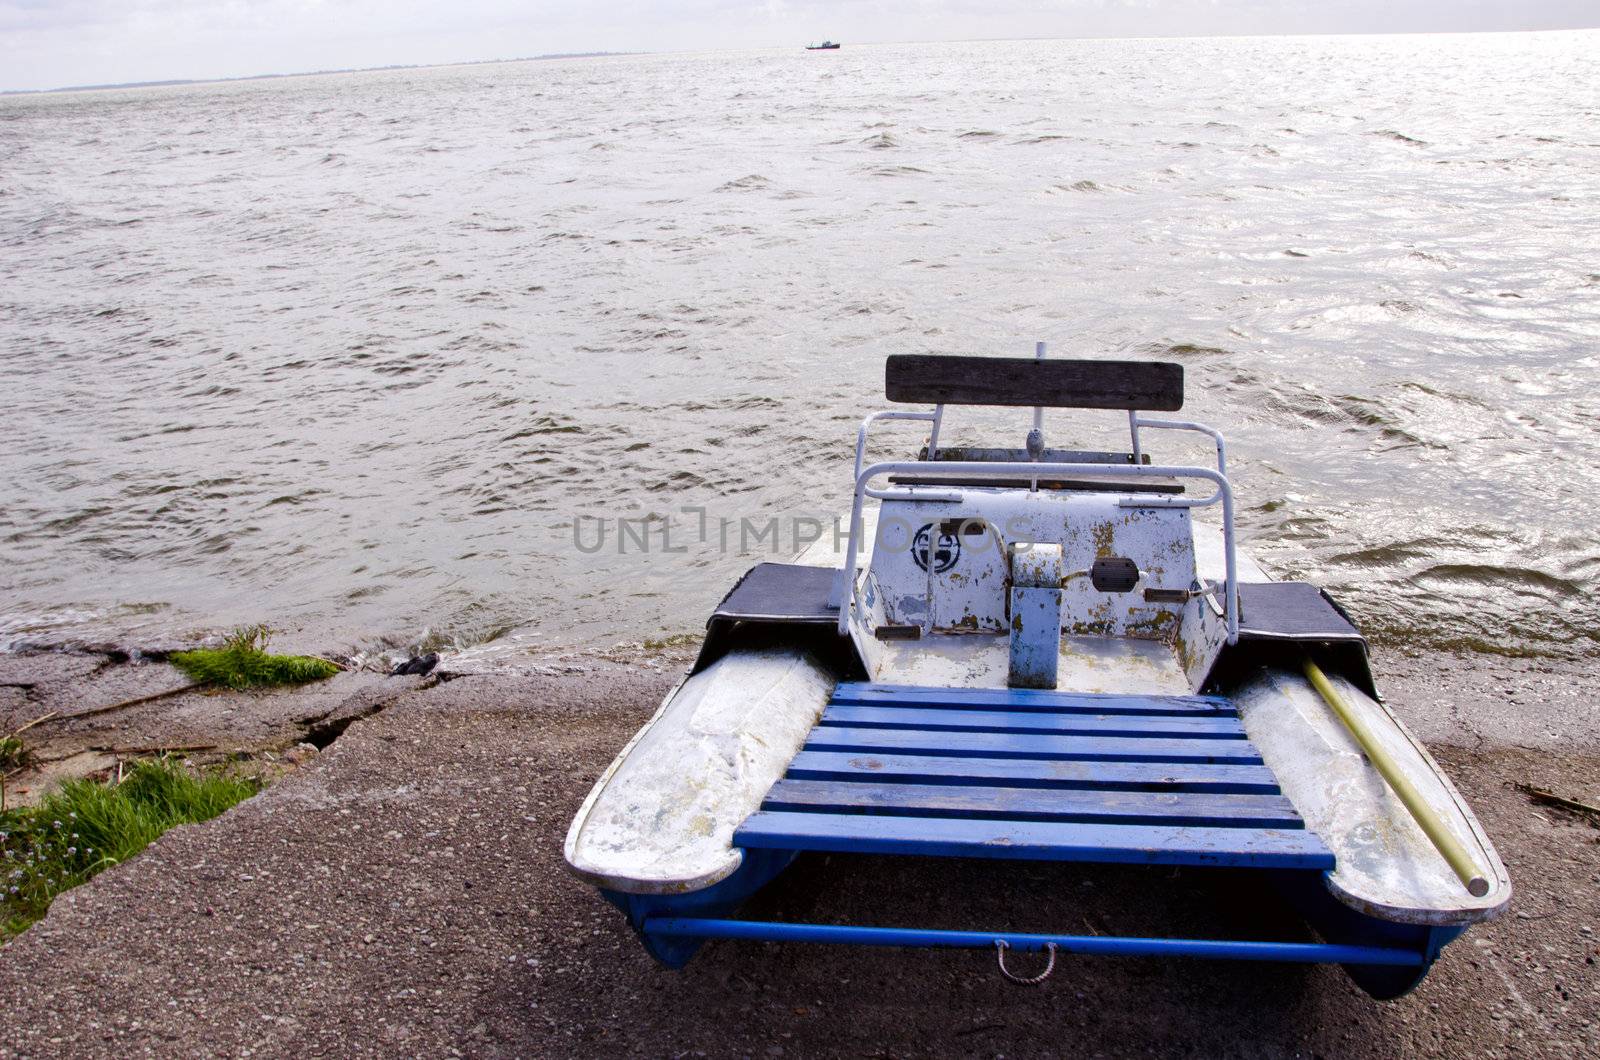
(930, 379)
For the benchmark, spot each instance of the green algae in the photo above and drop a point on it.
(243, 662)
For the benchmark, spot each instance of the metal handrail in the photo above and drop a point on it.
(1135, 421)
(936, 417)
(846, 595)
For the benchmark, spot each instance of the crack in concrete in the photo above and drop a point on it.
(321, 730)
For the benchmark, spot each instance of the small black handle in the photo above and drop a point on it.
(1114, 574)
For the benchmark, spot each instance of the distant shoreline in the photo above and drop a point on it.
(1561, 28)
(304, 73)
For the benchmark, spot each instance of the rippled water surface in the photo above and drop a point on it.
(350, 353)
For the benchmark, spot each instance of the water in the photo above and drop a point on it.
(350, 353)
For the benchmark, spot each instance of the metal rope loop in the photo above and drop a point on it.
(1000, 947)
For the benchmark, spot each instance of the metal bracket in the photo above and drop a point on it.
(1000, 947)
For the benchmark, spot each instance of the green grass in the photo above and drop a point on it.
(675, 640)
(243, 662)
(86, 826)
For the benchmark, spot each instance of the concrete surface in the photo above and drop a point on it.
(403, 894)
(60, 700)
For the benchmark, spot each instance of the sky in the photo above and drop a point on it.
(55, 43)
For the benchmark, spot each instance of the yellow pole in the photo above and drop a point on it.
(1442, 838)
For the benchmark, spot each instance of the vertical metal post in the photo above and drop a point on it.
(1036, 436)
(1133, 429)
(842, 593)
(933, 435)
(1230, 559)
(1038, 410)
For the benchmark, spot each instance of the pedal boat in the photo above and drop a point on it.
(1039, 654)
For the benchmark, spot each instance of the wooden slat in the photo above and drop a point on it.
(1023, 804)
(934, 720)
(1035, 840)
(876, 695)
(1128, 484)
(929, 379)
(1033, 773)
(1028, 745)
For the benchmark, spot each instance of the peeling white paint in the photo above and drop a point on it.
(661, 818)
(1387, 866)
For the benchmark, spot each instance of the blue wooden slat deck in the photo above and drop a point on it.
(868, 694)
(998, 773)
(1035, 841)
(1033, 804)
(1030, 745)
(939, 719)
(1034, 773)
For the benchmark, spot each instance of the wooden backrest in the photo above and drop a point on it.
(930, 379)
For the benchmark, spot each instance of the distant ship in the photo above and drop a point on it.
(825, 46)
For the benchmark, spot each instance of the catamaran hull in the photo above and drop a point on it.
(1386, 948)
(1045, 656)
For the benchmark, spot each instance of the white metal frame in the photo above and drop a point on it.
(844, 592)
(936, 417)
(1135, 421)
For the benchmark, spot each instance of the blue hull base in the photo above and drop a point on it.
(1384, 958)
(1016, 775)
(758, 869)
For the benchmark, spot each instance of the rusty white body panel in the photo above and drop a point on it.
(1086, 664)
(1387, 867)
(1210, 563)
(660, 819)
(1111, 642)
(828, 550)
(964, 586)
